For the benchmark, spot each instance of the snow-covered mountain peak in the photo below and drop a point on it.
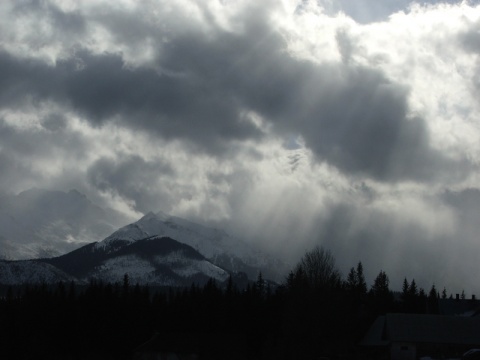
(208, 241)
(129, 233)
(216, 245)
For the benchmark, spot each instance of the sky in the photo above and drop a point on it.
(354, 125)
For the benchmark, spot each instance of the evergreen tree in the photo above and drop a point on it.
(412, 290)
(444, 293)
(352, 282)
(422, 294)
(380, 284)
(229, 289)
(291, 279)
(362, 284)
(126, 284)
(405, 289)
(433, 300)
(260, 284)
(382, 298)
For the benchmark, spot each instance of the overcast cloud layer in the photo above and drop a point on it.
(289, 123)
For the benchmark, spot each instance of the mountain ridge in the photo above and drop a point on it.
(158, 261)
(216, 245)
(194, 251)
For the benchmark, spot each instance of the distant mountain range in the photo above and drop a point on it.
(158, 249)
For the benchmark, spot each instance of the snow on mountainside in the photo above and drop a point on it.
(154, 261)
(177, 268)
(216, 245)
(40, 223)
(157, 261)
(30, 272)
(158, 249)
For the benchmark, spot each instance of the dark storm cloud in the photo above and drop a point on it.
(173, 107)
(351, 116)
(133, 179)
(54, 122)
(24, 80)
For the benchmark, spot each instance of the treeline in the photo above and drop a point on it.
(313, 313)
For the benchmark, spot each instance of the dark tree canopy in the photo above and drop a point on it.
(319, 268)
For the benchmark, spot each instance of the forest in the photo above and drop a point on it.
(314, 313)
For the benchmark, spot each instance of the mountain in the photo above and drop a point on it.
(216, 245)
(157, 261)
(40, 223)
(31, 272)
(156, 250)
(154, 260)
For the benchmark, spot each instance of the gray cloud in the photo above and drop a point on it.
(470, 41)
(133, 179)
(34, 144)
(71, 23)
(11, 171)
(54, 122)
(351, 116)
(31, 156)
(172, 107)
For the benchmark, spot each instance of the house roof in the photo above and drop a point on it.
(464, 307)
(421, 328)
(374, 336)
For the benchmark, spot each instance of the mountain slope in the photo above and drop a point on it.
(31, 272)
(157, 249)
(40, 223)
(155, 261)
(216, 245)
